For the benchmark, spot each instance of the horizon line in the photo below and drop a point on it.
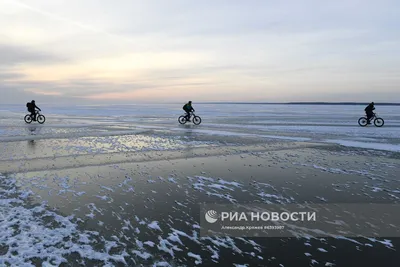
(237, 103)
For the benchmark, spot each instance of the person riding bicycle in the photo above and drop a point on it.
(32, 109)
(369, 111)
(188, 108)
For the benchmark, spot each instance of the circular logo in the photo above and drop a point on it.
(211, 216)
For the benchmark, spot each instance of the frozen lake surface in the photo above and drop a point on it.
(121, 185)
(330, 124)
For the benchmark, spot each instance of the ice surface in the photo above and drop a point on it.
(379, 146)
(330, 124)
(139, 233)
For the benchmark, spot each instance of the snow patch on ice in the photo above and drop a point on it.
(196, 257)
(46, 235)
(154, 225)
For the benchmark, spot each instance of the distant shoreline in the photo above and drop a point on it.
(302, 103)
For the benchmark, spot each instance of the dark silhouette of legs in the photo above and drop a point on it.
(33, 115)
(187, 115)
(369, 117)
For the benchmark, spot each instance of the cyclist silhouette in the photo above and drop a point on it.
(32, 109)
(188, 108)
(369, 111)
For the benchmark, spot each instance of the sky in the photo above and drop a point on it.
(131, 51)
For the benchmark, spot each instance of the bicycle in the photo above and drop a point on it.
(183, 119)
(39, 118)
(378, 122)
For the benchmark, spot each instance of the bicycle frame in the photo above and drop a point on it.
(37, 113)
(191, 114)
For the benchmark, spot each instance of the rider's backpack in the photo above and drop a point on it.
(29, 105)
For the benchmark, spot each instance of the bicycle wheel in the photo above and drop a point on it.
(41, 119)
(28, 118)
(182, 119)
(362, 121)
(379, 122)
(196, 120)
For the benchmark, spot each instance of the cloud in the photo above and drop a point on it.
(6, 76)
(17, 95)
(12, 55)
(42, 92)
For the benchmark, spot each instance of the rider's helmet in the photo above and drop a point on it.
(33, 101)
(190, 102)
(372, 103)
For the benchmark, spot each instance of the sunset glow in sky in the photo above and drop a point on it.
(130, 51)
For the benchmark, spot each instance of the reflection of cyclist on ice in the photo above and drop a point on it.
(188, 108)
